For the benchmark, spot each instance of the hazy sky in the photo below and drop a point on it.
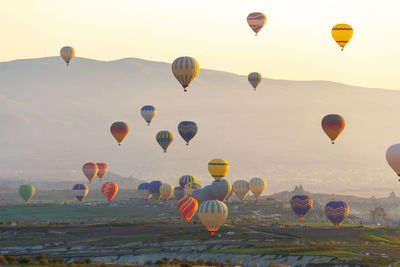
(295, 44)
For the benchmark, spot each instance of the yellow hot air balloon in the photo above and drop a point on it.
(257, 186)
(342, 34)
(218, 168)
(212, 214)
(166, 191)
(67, 53)
(241, 189)
(185, 69)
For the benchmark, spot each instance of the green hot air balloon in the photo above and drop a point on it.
(26, 191)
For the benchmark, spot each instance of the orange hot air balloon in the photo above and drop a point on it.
(187, 206)
(109, 190)
(119, 130)
(103, 169)
(90, 170)
(333, 125)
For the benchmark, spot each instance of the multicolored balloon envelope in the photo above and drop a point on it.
(221, 189)
(109, 190)
(90, 170)
(333, 125)
(187, 206)
(164, 139)
(256, 21)
(190, 187)
(241, 189)
(218, 168)
(80, 191)
(187, 130)
(148, 113)
(342, 34)
(119, 130)
(186, 179)
(301, 204)
(179, 192)
(103, 169)
(185, 69)
(155, 189)
(144, 190)
(67, 53)
(257, 186)
(212, 214)
(26, 191)
(336, 212)
(393, 158)
(254, 79)
(166, 191)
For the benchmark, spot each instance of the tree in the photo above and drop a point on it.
(88, 261)
(25, 260)
(271, 263)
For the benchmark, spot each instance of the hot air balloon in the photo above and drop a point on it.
(336, 212)
(179, 192)
(185, 69)
(148, 113)
(212, 214)
(109, 190)
(67, 53)
(186, 179)
(155, 189)
(218, 168)
(257, 186)
(342, 34)
(119, 130)
(103, 169)
(164, 139)
(90, 170)
(221, 189)
(144, 190)
(26, 191)
(187, 206)
(256, 21)
(393, 158)
(301, 205)
(207, 193)
(189, 187)
(187, 130)
(241, 189)
(254, 79)
(80, 191)
(198, 195)
(333, 125)
(166, 191)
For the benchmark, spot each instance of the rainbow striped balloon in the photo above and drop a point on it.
(187, 130)
(164, 139)
(333, 125)
(90, 170)
(212, 214)
(254, 79)
(301, 204)
(185, 69)
(187, 206)
(109, 190)
(336, 212)
(80, 191)
(256, 21)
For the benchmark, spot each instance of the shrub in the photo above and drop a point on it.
(186, 264)
(149, 262)
(103, 265)
(11, 259)
(88, 261)
(2, 260)
(39, 256)
(43, 261)
(25, 260)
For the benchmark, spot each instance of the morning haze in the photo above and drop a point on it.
(56, 118)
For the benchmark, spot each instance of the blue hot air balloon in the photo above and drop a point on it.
(185, 179)
(221, 189)
(301, 204)
(187, 130)
(336, 212)
(144, 190)
(148, 113)
(154, 189)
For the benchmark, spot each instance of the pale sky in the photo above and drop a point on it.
(295, 44)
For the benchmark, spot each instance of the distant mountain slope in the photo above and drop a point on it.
(54, 119)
